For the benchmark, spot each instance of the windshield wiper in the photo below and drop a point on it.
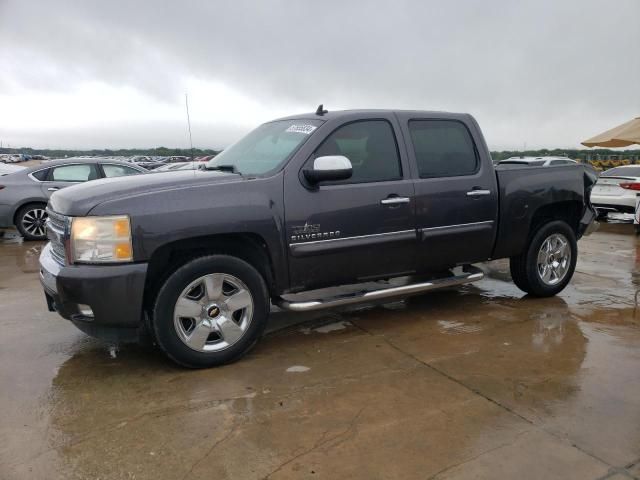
(224, 168)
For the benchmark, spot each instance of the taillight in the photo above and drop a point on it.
(1, 187)
(630, 185)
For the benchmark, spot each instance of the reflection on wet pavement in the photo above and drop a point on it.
(474, 382)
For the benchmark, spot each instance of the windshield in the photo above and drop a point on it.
(622, 171)
(265, 148)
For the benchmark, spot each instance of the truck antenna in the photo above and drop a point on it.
(320, 111)
(186, 103)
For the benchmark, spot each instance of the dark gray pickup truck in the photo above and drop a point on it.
(409, 198)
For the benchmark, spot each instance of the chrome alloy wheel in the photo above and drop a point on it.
(554, 259)
(213, 312)
(34, 222)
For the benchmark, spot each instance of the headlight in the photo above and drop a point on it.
(101, 239)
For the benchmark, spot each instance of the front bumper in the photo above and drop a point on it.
(114, 293)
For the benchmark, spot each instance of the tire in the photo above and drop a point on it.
(30, 221)
(546, 273)
(210, 311)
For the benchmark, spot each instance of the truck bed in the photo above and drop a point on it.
(523, 192)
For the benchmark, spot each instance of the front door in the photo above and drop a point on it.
(356, 229)
(456, 192)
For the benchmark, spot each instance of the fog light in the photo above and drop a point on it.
(85, 310)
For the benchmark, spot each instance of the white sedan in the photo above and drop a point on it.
(538, 161)
(616, 190)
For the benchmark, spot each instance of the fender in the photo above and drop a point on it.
(245, 206)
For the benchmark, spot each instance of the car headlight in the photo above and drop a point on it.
(101, 239)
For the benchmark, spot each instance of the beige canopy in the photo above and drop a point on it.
(620, 136)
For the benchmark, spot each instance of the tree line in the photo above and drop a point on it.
(122, 152)
(576, 154)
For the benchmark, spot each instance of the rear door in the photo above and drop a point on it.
(456, 191)
(62, 176)
(355, 229)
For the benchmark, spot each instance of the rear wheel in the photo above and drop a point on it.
(30, 221)
(547, 264)
(210, 311)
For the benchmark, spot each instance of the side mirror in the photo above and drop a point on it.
(330, 167)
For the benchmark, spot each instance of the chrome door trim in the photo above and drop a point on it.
(486, 222)
(444, 230)
(331, 245)
(373, 235)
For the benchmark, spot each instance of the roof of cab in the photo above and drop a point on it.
(334, 114)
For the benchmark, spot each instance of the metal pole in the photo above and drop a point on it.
(186, 102)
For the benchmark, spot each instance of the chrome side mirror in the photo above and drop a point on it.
(330, 167)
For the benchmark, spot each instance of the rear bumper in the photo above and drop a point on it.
(113, 293)
(620, 203)
(588, 223)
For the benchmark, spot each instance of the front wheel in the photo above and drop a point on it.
(30, 221)
(210, 311)
(548, 262)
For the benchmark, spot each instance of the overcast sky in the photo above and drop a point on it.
(105, 74)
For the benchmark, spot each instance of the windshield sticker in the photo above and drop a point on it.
(306, 129)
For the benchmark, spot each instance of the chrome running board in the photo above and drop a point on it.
(471, 274)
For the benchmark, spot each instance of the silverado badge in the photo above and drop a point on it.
(311, 232)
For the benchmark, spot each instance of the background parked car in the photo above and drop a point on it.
(145, 162)
(616, 190)
(177, 159)
(7, 169)
(172, 167)
(537, 161)
(206, 158)
(24, 194)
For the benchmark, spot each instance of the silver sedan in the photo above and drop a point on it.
(24, 194)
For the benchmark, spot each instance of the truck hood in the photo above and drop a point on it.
(79, 200)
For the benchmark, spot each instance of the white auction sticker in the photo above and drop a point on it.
(306, 129)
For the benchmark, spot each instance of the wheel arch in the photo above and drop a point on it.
(569, 211)
(249, 247)
(519, 221)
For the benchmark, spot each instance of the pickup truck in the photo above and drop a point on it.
(406, 199)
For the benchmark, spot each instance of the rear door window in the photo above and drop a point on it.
(443, 148)
(111, 170)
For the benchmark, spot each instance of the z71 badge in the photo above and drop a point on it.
(311, 232)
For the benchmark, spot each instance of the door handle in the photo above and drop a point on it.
(395, 200)
(53, 189)
(478, 193)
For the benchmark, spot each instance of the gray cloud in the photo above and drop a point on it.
(549, 73)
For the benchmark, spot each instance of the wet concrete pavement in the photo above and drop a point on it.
(473, 382)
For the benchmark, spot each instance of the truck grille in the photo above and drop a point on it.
(57, 226)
